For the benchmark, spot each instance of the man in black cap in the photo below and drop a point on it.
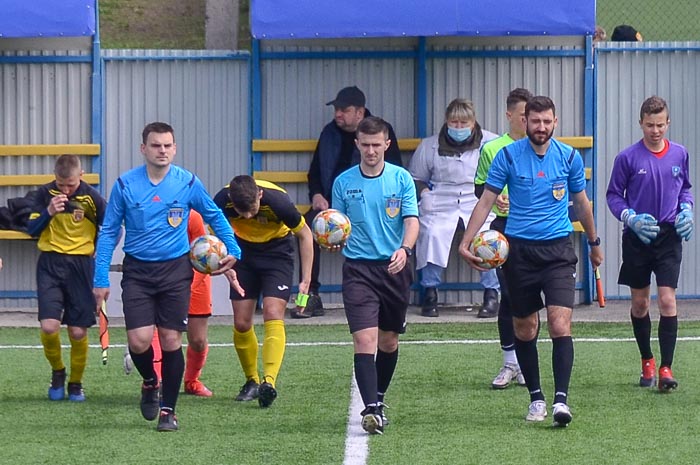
(336, 152)
(625, 33)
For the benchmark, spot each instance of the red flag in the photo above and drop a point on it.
(104, 332)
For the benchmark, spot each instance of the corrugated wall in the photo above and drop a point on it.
(487, 82)
(204, 95)
(293, 109)
(626, 75)
(207, 101)
(41, 103)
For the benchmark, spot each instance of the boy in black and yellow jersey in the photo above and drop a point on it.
(65, 219)
(264, 219)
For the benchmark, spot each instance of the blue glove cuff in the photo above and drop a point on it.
(626, 214)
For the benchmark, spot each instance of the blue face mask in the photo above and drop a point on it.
(459, 134)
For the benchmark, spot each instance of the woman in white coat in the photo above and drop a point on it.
(444, 168)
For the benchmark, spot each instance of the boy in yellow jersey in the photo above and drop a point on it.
(264, 219)
(66, 218)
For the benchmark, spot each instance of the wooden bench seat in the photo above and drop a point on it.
(410, 144)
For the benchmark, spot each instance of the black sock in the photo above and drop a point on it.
(505, 331)
(173, 369)
(642, 333)
(562, 364)
(668, 332)
(528, 358)
(144, 364)
(386, 365)
(366, 377)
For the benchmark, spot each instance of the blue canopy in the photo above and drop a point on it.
(289, 19)
(47, 18)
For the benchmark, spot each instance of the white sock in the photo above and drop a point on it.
(509, 358)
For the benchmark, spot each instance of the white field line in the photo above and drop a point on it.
(356, 440)
(347, 343)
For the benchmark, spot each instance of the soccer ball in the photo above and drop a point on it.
(492, 247)
(205, 253)
(330, 228)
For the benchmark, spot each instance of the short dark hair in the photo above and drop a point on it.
(67, 166)
(373, 125)
(653, 106)
(157, 127)
(539, 104)
(243, 192)
(516, 96)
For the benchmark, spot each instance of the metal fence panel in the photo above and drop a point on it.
(202, 94)
(206, 98)
(293, 109)
(626, 75)
(43, 101)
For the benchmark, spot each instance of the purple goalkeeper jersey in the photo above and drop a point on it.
(649, 184)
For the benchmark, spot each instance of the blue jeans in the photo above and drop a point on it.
(431, 276)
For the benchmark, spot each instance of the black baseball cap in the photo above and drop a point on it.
(348, 96)
(625, 33)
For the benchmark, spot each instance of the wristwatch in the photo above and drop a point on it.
(407, 249)
(594, 243)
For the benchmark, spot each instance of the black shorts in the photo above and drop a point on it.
(536, 267)
(374, 298)
(64, 288)
(156, 293)
(662, 257)
(499, 224)
(266, 269)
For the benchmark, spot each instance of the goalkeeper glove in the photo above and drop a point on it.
(684, 222)
(643, 224)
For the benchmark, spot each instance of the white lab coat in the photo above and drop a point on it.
(450, 198)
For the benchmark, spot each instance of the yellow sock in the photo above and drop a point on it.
(246, 345)
(52, 349)
(273, 349)
(78, 358)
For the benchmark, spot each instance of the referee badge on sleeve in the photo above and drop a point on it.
(175, 216)
(392, 206)
(559, 190)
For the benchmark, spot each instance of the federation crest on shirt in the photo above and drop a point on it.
(392, 206)
(676, 170)
(78, 215)
(175, 216)
(559, 190)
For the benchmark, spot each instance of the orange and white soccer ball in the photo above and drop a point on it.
(331, 228)
(206, 252)
(492, 247)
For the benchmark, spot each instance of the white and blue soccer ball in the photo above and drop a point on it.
(206, 252)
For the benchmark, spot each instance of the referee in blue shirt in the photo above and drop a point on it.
(541, 173)
(380, 200)
(153, 203)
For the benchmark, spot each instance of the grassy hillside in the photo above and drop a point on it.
(152, 23)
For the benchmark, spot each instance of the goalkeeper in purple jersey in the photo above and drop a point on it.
(649, 191)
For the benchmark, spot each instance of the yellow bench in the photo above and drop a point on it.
(309, 145)
(16, 180)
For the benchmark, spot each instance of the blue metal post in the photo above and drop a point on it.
(255, 103)
(590, 161)
(97, 102)
(422, 88)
